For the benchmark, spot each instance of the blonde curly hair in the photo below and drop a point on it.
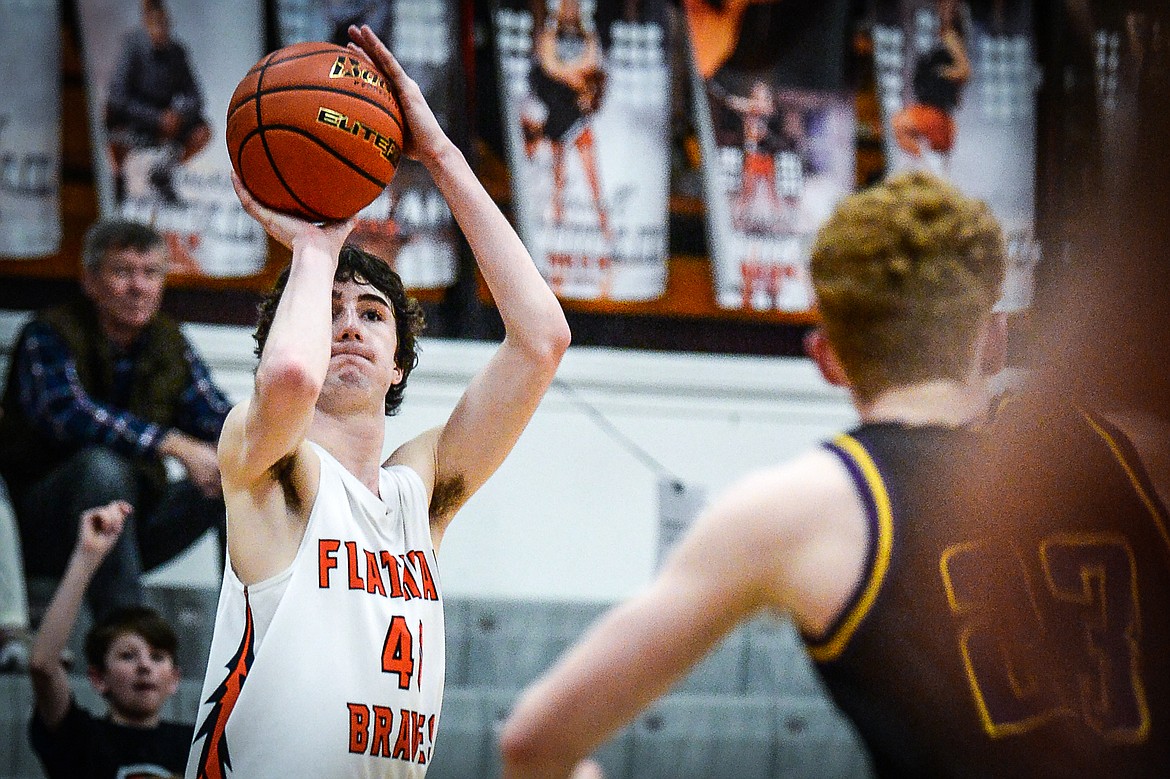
(904, 273)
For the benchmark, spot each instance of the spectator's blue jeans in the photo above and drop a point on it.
(160, 528)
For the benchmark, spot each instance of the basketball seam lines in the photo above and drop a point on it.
(268, 152)
(261, 129)
(300, 131)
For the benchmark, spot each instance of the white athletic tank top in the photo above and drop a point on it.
(334, 667)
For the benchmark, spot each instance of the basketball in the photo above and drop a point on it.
(313, 130)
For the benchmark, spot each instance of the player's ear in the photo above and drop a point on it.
(817, 346)
(993, 344)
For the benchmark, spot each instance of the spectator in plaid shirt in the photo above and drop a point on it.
(100, 391)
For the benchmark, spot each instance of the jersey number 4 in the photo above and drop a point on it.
(399, 655)
(1071, 649)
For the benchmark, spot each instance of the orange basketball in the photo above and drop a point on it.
(313, 130)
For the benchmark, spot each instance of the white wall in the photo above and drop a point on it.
(572, 513)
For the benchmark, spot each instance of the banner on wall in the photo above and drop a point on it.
(1125, 43)
(30, 122)
(159, 77)
(957, 84)
(409, 223)
(585, 98)
(776, 129)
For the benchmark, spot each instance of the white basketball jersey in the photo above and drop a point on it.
(333, 668)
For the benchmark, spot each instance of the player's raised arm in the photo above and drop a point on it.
(295, 358)
(500, 400)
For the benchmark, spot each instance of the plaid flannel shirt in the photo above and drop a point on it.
(51, 395)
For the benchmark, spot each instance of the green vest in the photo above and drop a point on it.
(160, 375)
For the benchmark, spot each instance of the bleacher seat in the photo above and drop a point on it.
(704, 736)
(464, 744)
(814, 741)
(191, 612)
(456, 627)
(17, 759)
(510, 643)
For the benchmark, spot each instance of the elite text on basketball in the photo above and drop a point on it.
(386, 146)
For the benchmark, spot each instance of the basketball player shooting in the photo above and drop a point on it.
(328, 652)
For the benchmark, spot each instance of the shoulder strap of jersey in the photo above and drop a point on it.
(871, 489)
(1127, 457)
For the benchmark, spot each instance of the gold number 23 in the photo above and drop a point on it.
(1064, 643)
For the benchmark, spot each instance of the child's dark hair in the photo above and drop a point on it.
(141, 620)
(354, 264)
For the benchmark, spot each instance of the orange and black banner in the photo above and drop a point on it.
(584, 87)
(776, 128)
(957, 84)
(30, 122)
(409, 224)
(159, 75)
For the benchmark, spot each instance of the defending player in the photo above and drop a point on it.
(979, 603)
(328, 654)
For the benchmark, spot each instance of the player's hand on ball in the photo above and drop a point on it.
(287, 229)
(423, 138)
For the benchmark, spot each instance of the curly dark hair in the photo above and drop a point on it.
(140, 620)
(354, 264)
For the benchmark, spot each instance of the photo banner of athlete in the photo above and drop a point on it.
(585, 99)
(957, 85)
(159, 74)
(1123, 45)
(30, 122)
(409, 223)
(776, 131)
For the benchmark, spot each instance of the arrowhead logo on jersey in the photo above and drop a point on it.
(214, 761)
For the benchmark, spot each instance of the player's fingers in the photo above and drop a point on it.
(377, 51)
(272, 222)
(358, 50)
(246, 199)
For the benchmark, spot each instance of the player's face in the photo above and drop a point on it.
(364, 338)
(138, 679)
(127, 288)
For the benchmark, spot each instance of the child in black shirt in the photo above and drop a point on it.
(131, 659)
